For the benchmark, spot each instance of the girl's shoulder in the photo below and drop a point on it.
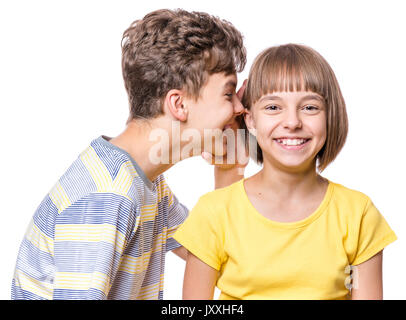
(348, 198)
(348, 192)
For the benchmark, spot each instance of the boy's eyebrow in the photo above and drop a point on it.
(231, 83)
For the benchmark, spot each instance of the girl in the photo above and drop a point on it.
(287, 232)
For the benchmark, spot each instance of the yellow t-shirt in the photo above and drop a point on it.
(258, 258)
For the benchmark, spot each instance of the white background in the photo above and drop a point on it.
(61, 87)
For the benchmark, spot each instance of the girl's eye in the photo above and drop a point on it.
(229, 95)
(271, 108)
(311, 108)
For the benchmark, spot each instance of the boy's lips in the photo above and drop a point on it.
(230, 125)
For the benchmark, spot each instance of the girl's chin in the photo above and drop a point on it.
(297, 167)
(292, 165)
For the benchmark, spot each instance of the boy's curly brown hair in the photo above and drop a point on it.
(176, 49)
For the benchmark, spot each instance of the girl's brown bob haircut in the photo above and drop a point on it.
(294, 67)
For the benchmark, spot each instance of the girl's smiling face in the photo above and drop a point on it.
(290, 128)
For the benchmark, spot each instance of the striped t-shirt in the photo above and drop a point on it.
(101, 233)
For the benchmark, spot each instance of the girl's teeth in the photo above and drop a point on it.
(291, 142)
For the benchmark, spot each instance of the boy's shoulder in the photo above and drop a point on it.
(100, 168)
(102, 158)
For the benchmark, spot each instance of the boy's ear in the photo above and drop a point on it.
(250, 122)
(174, 104)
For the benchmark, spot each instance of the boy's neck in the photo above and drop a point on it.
(135, 140)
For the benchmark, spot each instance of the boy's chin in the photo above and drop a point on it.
(220, 151)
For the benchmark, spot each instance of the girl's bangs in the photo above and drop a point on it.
(288, 73)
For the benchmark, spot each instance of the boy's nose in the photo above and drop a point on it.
(238, 107)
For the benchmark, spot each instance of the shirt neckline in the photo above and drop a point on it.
(104, 140)
(288, 225)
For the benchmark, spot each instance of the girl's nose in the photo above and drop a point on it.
(292, 121)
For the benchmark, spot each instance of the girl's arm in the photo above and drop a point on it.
(367, 279)
(181, 252)
(200, 279)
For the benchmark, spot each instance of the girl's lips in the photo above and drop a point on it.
(292, 147)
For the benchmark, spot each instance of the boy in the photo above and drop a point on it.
(103, 230)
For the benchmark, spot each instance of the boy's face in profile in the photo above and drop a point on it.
(215, 111)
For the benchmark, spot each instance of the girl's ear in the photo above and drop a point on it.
(250, 122)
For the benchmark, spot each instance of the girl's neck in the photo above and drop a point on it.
(284, 184)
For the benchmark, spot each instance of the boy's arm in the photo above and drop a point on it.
(90, 238)
(367, 279)
(226, 177)
(176, 216)
(226, 174)
(200, 279)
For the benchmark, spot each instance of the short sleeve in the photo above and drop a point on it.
(374, 234)
(203, 234)
(177, 213)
